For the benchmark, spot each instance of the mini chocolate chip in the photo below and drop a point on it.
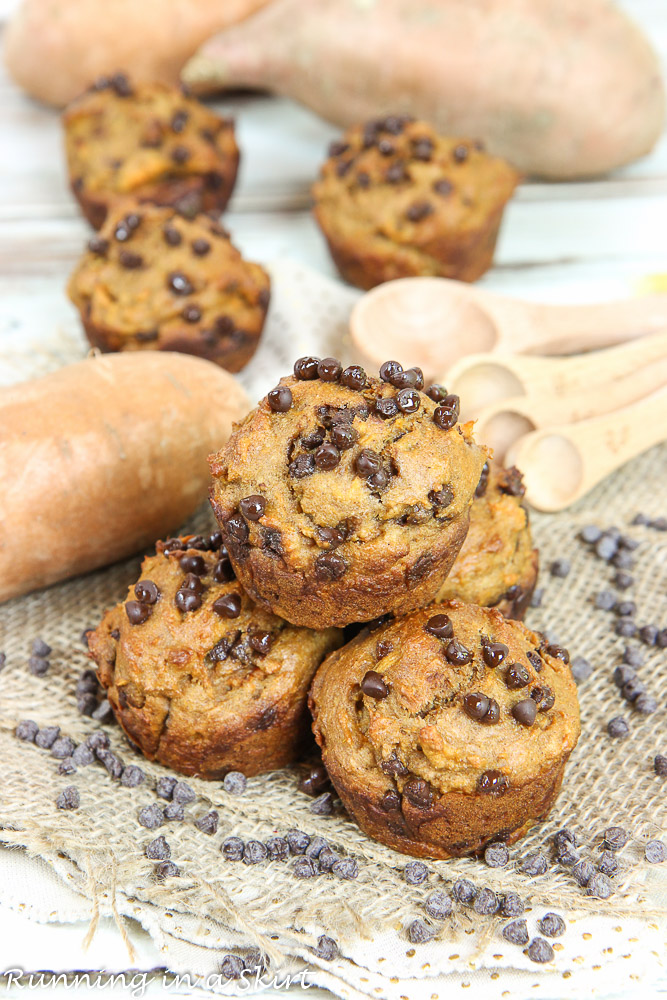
(590, 534)
(659, 765)
(27, 730)
(130, 260)
(193, 564)
(600, 886)
(329, 566)
(151, 816)
(440, 625)
(419, 932)
(418, 210)
(437, 393)
(438, 905)
(497, 855)
(457, 653)
(581, 669)
(327, 457)
(208, 823)
(302, 466)
(394, 767)
(493, 653)
(655, 852)
(183, 793)
(254, 852)
(605, 600)
(280, 399)
(200, 247)
(606, 547)
(172, 236)
(146, 591)
(179, 283)
(98, 245)
(540, 951)
(386, 407)
(447, 413)
(649, 634)
(261, 641)
(174, 812)
(383, 647)
(475, 705)
(306, 368)
(443, 187)
(389, 369)
(492, 782)
(486, 902)
(525, 712)
(624, 608)
(608, 864)
(516, 932)
(583, 871)
(396, 173)
(253, 507)
(180, 154)
(516, 676)
(408, 378)
(460, 153)
(533, 865)
(618, 728)
(329, 370)
(354, 377)
(137, 612)
(132, 776)
(191, 581)
(512, 905)
(234, 782)
(367, 463)
(69, 798)
(346, 868)
(373, 685)
(464, 891)
(363, 179)
(408, 400)
(343, 436)
(442, 497)
(390, 801)
(337, 147)
(422, 148)
(227, 606)
(623, 580)
(187, 600)
(418, 792)
(38, 666)
(63, 747)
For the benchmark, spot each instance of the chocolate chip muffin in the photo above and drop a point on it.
(200, 678)
(497, 565)
(342, 497)
(147, 141)
(153, 279)
(447, 729)
(396, 200)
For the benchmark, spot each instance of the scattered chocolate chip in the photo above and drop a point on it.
(41, 648)
(254, 852)
(497, 855)
(227, 606)
(437, 393)
(327, 949)
(418, 210)
(151, 816)
(443, 187)
(63, 747)
(583, 871)
(408, 400)
(600, 886)
(581, 669)
(590, 534)
(130, 260)
(415, 872)
(327, 859)
(98, 245)
(464, 891)
(533, 865)
(618, 728)
(660, 765)
(516, 932)
(329, 566)
(420, 932)
(486, 902)
(26, 731)
(208, 823)
(606, 547)
(607, 863)
(183, 793)
(512, 905)
(69, 798)
(552, 925)
(187, 600)
(232, 848)
(442, 497)
(323, 804)
(559, 652)
(540, 951)
(560, 567)
(655, 852)
(47, 736)
(346, 868)
(38, 666)
(277, 849)
(303, 867)
(438, 905)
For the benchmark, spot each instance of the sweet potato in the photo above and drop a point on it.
(99, 459)
(55, 48)
(560, 88)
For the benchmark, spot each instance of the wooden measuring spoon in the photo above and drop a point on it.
(561, 464)
(503, 423)
(433, 322)
(482, 380)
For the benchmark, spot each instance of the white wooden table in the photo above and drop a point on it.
(560, 242)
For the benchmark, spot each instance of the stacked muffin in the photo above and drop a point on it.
(343, 499)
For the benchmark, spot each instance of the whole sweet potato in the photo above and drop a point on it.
(99, 459)
(560, 88)
(55, 48)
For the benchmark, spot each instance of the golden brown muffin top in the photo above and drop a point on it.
(150, 270)
(122, 137)
(189, 635)
(399, 180)
(497, 554)
(450, 698)
(333, 458)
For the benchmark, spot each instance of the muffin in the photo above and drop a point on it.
(147, 141)
(447, 729)
(342, 497)
(200, 678)
(153, 279)
(396, 200)
(497, 565)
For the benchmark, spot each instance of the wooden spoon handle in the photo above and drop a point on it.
(562, 463)
(568, 329)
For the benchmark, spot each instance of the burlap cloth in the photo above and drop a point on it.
(98, 851)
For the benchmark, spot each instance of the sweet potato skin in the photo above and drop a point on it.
(54, 49)
(560, 88)
(102, 457)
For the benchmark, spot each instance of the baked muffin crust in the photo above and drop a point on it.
(150, 142)
(395, 199)
(447, 729)
(200, 678)
(362, 505)
(155, 280)
(497, 565)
